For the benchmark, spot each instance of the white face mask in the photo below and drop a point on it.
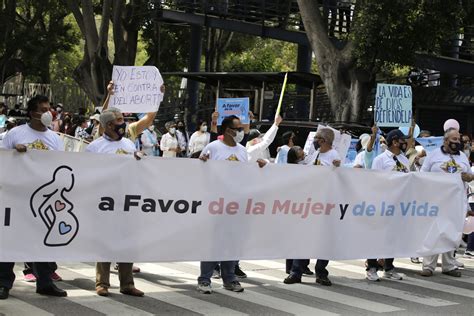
(172, 130)
(239, 137)
(421, 160)
(46, 118)
(151, 128)
(204, 128)
(383, 147)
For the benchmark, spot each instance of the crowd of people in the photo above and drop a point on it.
(110, 133)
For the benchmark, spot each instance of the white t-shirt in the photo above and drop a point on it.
(168, 142)
(360, 159)
(32, 139)
(217, 150)
(325, 159)
(438, 161)
(386, 161)
(103, 145)
(198, 141)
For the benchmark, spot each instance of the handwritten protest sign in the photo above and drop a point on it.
(393, 105)
(233, 106)
(136, 89)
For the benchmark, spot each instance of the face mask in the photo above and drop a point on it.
(172, 130)
(383, 147)
(455, 147)
(59, 110)
(204, 128)
(467, 152)
(238, 137)
(46, 118)
(316, 144)
(120, 129)
(181, 127)
(151, 128)
(421, 161)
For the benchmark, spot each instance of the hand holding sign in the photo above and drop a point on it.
(136, 89)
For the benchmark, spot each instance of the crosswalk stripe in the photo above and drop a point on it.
(248, 295)
(14, 306)
(376, 288)
(327, 295)
(171, 296)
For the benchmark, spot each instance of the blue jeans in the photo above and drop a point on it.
(227, 271)
(299, 264)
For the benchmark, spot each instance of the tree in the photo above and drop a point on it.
(126, 17)
(384, 32)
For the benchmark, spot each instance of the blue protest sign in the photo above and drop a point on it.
(430, 143)
(233, 106)
(393, 105)
(351, 153)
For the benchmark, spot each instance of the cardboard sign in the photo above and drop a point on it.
(136, 89)
(233, 106)
(393, 105)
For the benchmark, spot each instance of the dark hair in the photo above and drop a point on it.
(285, 138)
(293, 155)
(200, 122)
(33, 103)
(227, 122)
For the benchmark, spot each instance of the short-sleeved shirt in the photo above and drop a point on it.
(104, 145)
(440, 161)
(325, 159)
(32, 139)
(388, 161)
(217, 150)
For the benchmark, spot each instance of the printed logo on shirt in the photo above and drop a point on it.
(120, 151)
(37, 145)
(451, 167)
(233, 158)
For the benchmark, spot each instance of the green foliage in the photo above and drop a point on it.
(393, 30)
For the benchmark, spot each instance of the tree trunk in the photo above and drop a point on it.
(346, 85)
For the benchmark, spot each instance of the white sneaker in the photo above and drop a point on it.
(391, 274)
(458, 264)
(469, 254)
(204, 288)
(372, 275)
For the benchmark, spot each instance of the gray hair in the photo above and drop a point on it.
(327, 134)
(169, 124)
(108, 116)
(448, 131)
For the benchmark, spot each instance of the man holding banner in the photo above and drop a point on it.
(33, 136)
(113, 142)
(449, 159)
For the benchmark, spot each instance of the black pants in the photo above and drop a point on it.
(41, 270)
(29, 267)
(320, 268)
(289, 264)
(388, 265)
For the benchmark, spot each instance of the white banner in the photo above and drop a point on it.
(136, 89)
(60, 206)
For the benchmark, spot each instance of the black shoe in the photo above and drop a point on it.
(307, 271)
(239, 273)
(323, 281)
(4, 292)
(52, 290)
(292, 279)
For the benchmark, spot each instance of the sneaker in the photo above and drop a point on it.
(391, 274)
(216, 274)
(372, 275)
(135, 269)
(415, 260)
(55, 277)
(469, 254)
(234, 286)
(292, 279)
(307, 271)
(454, 273)
(204, 288)
(323, 281)
(239, 273)
(426, 273)
(30, 277)
(458, 264)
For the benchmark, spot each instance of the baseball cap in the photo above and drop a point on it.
(394, 135)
